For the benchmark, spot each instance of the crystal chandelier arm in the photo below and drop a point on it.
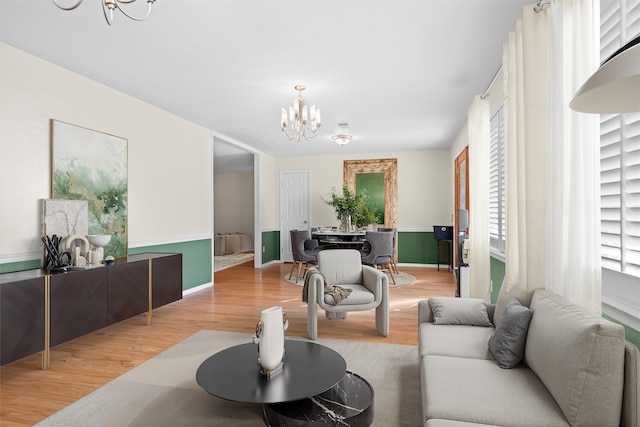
(116, 4)
(149, 2)
(67, 8)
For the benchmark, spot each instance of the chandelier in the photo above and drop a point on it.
(303, 124)
(108, 6)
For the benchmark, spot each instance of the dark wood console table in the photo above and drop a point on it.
(39, 309)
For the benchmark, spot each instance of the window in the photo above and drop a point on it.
(497, 202)
(620, 153)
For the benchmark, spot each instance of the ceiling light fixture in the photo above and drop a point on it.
(305, 125)
(341, 139)
(108, 6)
(615, 86)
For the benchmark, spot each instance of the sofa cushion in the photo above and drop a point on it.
(478, 391)
(459, 311)
(450, 423)
(454, 340)
(579, 356)
(504, 297)
(508, 341)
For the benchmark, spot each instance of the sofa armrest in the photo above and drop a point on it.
(424, 312)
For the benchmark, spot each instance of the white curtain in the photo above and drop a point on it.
(479, 135)
(573, 203)
(526, 132)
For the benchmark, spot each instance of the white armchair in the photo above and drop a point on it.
(343, 268)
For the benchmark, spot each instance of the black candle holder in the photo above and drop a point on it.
(54, 260)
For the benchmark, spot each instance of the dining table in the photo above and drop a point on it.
(341, 239)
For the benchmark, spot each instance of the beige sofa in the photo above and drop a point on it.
(231, 243)
(576, 369)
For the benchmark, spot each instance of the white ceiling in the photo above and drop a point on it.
(402, 73)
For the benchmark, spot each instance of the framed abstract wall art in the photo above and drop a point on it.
(92, 166)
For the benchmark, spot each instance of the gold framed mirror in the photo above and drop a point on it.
(390, 169)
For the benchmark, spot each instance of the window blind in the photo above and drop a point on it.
(620, 153)
(497, 202)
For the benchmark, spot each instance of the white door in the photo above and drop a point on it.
(294, 208)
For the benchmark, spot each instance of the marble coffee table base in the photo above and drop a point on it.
(348, 403)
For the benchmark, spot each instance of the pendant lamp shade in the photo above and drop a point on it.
(615, 86)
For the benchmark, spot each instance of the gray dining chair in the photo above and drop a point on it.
(394, 265)
(304, 251)
(378, 251)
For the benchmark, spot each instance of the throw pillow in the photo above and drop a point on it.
(459, 311)
(508, 341)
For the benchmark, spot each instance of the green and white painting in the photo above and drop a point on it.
(373, 185)
(92, 166)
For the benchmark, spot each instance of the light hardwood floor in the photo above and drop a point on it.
(28, 394)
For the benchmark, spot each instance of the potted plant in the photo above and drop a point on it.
(350, 208)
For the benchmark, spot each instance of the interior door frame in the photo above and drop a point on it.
(461, 185)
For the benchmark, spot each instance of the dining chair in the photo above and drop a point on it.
(394, 265)
(304, 251)
(378, 251)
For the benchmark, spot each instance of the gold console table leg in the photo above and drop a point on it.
(46, 352)
(150, 292)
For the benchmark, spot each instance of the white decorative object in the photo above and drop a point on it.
(99, 241)
(270, 339)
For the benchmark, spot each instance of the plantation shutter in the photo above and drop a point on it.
(620, 153)
(497, 203)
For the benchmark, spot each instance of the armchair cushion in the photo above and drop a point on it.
(359, 295)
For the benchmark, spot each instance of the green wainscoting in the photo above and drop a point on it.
(10, 267)
(197, 260)
(271, 246)
(419, 247)
(497, 268)
(630, 334)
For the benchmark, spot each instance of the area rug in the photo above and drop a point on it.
(226, 261)
(163, 391)
(402, 279)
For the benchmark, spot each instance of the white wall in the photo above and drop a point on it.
(425, 194)
(170, 159)
(233, 205)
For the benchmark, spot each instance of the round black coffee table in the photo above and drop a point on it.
(234, 373)
(348, 403)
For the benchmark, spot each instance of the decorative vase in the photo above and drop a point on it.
(345, 223)
(270, 335)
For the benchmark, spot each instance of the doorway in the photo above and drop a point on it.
(294, 208)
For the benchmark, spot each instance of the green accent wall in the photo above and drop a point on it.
(497, 268)
(271, 245)
(10, 267)
(630, 334)
(197, 260)
(419, 247)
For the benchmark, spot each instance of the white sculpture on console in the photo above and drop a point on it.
(99, 241)
(79, 257)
